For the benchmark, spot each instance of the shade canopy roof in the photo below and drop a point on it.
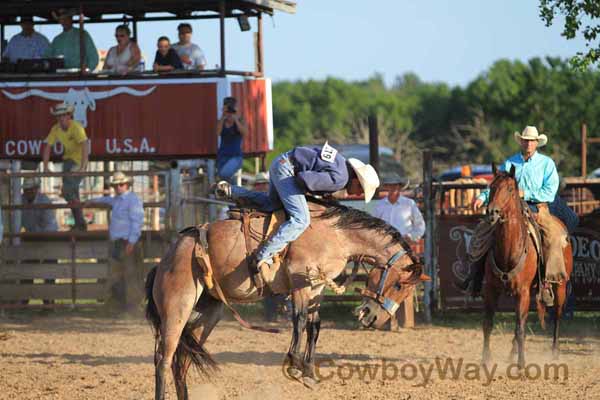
(97, 10)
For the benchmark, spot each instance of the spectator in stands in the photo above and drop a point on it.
(231, 129)
(126, 222)
(191, 55)
(399, 211)
(166, 58)
(26, 45)
(125, 56)
(36, 219)
(75, 156)
(66, 44)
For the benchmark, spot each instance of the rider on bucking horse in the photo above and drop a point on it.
(538, 183)
(293, 174)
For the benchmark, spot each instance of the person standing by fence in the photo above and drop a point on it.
(71, 135)
(231, 130)
(126, 273)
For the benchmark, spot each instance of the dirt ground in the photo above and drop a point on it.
(66, 356)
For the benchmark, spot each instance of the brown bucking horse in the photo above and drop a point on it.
(337, 234)
(511, 265)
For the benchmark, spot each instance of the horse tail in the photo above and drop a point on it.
(541, 311)
(190, 348)
(151, 311)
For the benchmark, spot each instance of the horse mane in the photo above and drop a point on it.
(353, 219)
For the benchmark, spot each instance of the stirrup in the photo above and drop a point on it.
(222, 190)
(548, 295)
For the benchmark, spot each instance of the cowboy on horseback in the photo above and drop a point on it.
(538, 184)
(293, 174)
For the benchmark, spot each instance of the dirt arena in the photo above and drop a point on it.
(66, 356)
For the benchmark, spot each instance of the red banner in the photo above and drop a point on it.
(131, 119)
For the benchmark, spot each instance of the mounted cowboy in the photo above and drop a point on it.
(293, 174)
(538, 184)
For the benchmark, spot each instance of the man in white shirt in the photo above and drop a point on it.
(191, 55)
(399, 211)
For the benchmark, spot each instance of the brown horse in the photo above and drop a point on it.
(512, 265)
(336, 235)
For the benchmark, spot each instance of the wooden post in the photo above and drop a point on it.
(73, 271)
(81, 42)
(373, 142)
(583, 150)
(259, 45)
(428, 199)
(222, 34)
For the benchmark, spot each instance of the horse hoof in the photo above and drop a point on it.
(295, 373)
(310, 382)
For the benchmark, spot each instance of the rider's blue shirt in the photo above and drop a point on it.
(537, 177)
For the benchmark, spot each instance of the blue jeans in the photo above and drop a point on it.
(70, 191)
(227, 166)
(283, 190)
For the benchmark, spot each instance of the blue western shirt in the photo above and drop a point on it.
(317, 175)
(127, 216)
(537, 178)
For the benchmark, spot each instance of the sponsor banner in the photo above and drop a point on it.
(129, 119)
(455, 233)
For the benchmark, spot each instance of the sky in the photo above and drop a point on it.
(439, 40)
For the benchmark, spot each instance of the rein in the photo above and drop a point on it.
(389, 305)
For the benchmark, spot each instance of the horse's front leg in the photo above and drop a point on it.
(522, 310)
(300, 303)
(313, 327)
(559, 302)
(490, 303)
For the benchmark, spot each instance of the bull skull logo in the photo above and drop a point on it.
(80, 99)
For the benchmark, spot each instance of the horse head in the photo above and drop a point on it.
(504, 195)
(387, 287)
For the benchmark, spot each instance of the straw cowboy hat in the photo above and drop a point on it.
(62, 109)
(30, 183)
(367, 176)
(261, 177)
(118, 178)
(395, 179)
(531, 133)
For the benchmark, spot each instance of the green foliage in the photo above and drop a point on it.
(580, 16)
(470, 124)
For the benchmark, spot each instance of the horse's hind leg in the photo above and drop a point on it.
(170, 334)
(559, 302)
(211, 312)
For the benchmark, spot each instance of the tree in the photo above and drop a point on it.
(580, 17)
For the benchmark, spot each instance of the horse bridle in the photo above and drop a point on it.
(389, 305)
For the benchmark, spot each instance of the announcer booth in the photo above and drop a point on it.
(139, 117)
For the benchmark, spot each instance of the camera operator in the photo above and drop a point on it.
(231, 128)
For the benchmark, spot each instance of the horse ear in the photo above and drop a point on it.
(494, 170)
(512, 170)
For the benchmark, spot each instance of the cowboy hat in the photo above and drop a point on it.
(118, 178)
(64, 12)
(367, 176)
(261, 177)
(395, 179)
(30, 183)
(61, 109)
(531, 133)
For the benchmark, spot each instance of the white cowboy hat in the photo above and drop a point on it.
(61, 109)
(367, 177)
(118, 178)
(30, 183)
(531, 133)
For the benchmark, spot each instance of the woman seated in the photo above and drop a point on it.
(125, 56)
